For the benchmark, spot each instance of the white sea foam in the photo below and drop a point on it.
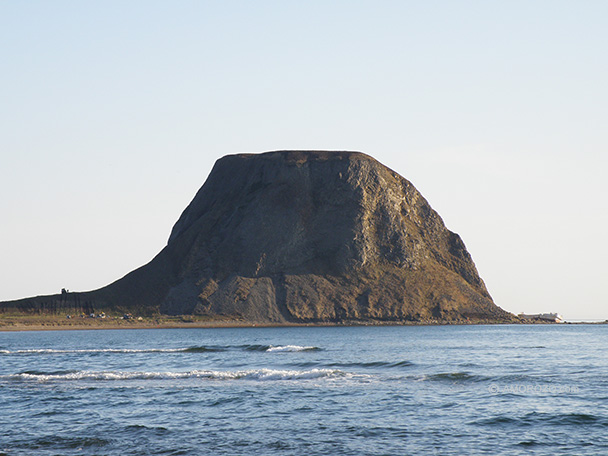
(290, 348)
(257, 374)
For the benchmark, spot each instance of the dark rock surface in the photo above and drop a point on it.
(307, 236)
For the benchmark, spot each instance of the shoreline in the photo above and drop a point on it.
(210, 325)
(55, 323)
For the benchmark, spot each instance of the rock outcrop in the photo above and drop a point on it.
(307, 236)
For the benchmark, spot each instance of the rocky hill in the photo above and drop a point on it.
(302, 236)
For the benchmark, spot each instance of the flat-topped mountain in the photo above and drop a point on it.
(304, 236)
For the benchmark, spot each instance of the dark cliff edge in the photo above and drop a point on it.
(300, 237)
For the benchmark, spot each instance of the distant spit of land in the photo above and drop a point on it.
(57, 322)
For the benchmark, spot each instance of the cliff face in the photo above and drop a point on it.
(308, 236)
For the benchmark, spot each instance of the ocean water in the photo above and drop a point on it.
(416, 390)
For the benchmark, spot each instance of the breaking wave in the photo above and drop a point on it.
(278, 348)
(194, 349)
(256, 374)
(290, 348)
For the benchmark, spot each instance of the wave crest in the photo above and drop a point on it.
(194, 349)
(256, 374)
(290, 348)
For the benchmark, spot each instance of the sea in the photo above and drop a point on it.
(366, 390)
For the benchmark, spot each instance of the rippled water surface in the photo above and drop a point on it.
(444, 390)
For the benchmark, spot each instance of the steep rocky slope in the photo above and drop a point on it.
(306, 236)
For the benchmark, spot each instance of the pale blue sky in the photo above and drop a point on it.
(112, 114)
